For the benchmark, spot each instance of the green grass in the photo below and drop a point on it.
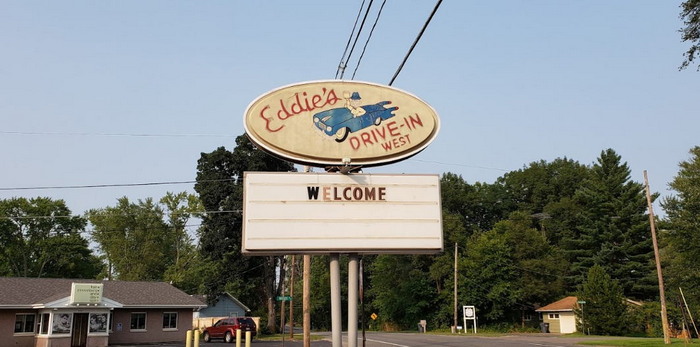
(639, 342)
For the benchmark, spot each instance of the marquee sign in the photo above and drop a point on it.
(326, 123)
(288, 213)
(86, 293)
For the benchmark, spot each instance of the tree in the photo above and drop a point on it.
(511, 268)
(605, 308)
(41, 238)
(542, 183)
(189, 269)
(478, 205)
(398, 280)
(613, 229)
(220, 188)
(690, 13)
(682, 228)
(545, 191)
(145, 240)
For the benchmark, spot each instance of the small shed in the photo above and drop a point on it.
(560, 315)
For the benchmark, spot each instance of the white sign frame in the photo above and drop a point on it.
(469, 313)
(324, 213)
(86, 293)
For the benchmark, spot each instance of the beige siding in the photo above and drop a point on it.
(7, 330)
(565, 324)
(154, 327)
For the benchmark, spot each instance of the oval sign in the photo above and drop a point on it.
(326, 123)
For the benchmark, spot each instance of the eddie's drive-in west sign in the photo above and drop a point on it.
(325, 123)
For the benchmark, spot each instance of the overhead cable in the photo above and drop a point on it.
(356, 37)
(342, 64)
(113, 185)
(415, 42)
(109, 134)
(368, 38)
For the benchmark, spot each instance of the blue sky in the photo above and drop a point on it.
(82, 82)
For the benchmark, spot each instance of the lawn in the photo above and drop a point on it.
(639, 342)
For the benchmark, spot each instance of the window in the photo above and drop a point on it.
(170, 320)
(111, 321)
(62, 323)
(553, 316)
(98, 322)
(138, 321)
(24, 322)
(527, 317)
(45, 319)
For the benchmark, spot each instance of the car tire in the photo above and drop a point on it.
(378, 121)
(228, 337)
(341, 134)
(207, 338)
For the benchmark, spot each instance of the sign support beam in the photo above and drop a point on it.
(336, 313)
(352, 300)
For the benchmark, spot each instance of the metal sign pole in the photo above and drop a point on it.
(336, 314)
(352, 300)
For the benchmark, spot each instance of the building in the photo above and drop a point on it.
(226, 305)
(560, 315)
(52, 312)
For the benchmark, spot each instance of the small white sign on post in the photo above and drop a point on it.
(469, 313)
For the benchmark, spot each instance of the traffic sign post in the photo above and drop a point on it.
(469, 313)
(583, 321)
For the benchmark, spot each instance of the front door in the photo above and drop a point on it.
(80, 330)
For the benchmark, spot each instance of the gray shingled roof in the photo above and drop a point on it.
(15, 291)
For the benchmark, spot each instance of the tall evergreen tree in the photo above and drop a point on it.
(220, 188)
(605, 311)
(682, 229)
(614, 229)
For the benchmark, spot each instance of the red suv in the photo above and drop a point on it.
(226, 329)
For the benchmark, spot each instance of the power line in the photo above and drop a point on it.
(357, 36)
(113, 185)
(343, 64)
(118, 214)
(465, 165)
(415, 42)
(108, 134)
(368, 38)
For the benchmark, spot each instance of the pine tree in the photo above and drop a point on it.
(614, 228)
(605, 310)
(682, 232)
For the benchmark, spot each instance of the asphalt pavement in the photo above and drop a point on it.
(380, 339)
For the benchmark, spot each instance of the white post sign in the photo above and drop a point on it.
(287, 213)
(469, 313)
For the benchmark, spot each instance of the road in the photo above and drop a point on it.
(378, 339)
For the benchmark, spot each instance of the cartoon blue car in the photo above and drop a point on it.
(340, 122)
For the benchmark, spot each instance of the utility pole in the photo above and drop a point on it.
(455, 294)
(306, 288)
(662, 295)
(291, 293)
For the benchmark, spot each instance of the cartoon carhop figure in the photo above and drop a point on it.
(352, 103)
